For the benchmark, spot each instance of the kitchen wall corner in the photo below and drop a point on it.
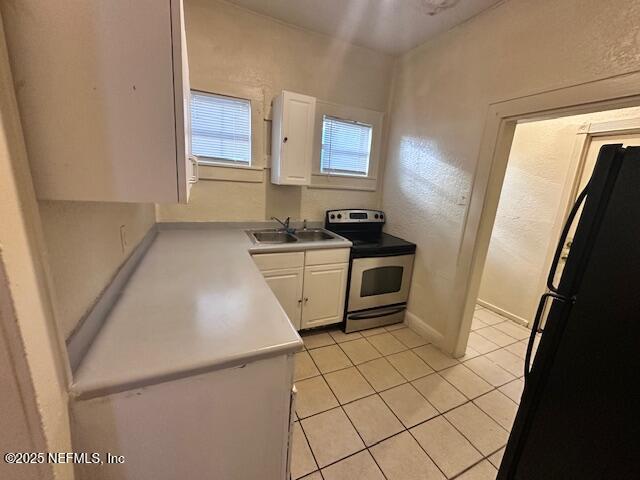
(86, 242)
(442, 91)
(233, 50)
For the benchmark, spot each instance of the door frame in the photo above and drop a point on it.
(586, 132)
(609, 93)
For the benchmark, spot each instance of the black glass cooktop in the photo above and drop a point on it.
(372, 244)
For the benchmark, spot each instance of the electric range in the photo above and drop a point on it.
(380, 268)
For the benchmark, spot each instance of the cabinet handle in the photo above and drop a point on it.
(306, 299)
(299, 301)
(284, 140)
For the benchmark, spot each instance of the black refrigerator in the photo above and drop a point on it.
(579, 416)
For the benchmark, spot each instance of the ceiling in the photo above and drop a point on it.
(390, 26)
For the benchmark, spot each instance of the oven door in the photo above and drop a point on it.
(379, 281)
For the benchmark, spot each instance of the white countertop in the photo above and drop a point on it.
(197, 302)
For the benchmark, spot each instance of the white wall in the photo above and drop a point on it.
(442, 91)
(82, 239)
(34, 340)
(20, 421)
(538, 168)
(231, 49)
(85, 252)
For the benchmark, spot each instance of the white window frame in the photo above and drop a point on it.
(227, 162)
(347, 181)
(345, 172)
(229, 172)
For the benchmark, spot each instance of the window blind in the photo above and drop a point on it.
(346, 146)
(221, 127)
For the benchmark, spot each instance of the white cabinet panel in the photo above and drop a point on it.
(324, 293)
(323, 257)
(103, 98)
(312, 295)
(226, 424)
(186, 163)
(286, 285)
(292, 138)
(275, 261)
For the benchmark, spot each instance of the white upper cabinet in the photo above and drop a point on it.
(292, 138)
(188, 175)
(103, 91)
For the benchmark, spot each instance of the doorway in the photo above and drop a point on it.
(503, 117)
(550, 162)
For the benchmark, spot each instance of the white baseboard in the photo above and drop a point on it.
(420, 326)
(504, 313)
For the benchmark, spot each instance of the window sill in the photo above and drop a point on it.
(211, 163)
(230, 172)
(352, 176)
(343, 182)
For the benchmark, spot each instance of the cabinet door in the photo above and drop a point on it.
(286, 284)
(324, 293)
(187, 167)
(295, 144)
(99, 110)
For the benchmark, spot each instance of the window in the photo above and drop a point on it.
(346, 147)
(220, 128)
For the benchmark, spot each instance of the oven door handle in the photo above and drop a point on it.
(383, 313)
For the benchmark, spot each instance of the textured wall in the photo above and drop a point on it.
(230, 45)
(27, 320)
(442, 90)
(539, 166)
(21, 424)
(82, 239)
(85, 251)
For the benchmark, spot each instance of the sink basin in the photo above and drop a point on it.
(273, 237)
(313, 235)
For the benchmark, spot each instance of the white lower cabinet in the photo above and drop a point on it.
(226, 424)
(286, 284)
(312, 289)
(324, 292)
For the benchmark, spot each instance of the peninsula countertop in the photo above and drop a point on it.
(196, 302)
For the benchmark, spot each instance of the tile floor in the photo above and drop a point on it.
(386, 404)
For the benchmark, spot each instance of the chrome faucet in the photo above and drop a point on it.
(285, 224)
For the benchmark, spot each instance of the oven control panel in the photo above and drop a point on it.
(355, 216)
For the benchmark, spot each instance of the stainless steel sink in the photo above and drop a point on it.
(272, 236)
(315, 235)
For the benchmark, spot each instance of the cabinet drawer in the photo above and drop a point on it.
(273, 261)
(325, 257)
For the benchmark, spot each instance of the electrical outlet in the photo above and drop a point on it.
(123, 238)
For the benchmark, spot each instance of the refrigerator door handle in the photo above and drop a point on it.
(563, 238)
(535, 326)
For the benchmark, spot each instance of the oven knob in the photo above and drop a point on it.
(376, 215)
(332, 216)
(339, 216)
(381, 217)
